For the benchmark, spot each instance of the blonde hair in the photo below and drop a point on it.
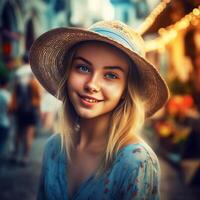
(127, 118)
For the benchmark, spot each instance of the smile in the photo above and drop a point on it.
(90, 99)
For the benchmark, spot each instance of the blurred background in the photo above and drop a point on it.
(171, 30)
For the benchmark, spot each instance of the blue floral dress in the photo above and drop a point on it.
(134, 175)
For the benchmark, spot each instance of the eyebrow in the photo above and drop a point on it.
(83, 59)
(114, 67)
(106, 67)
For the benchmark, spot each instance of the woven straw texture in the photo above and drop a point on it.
(48, 50)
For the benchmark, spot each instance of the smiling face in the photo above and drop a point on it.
(97, 79)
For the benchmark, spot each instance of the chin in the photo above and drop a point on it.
(86, 114)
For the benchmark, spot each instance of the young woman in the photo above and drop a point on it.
(107, 89)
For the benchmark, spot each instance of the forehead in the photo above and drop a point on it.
(101, 50)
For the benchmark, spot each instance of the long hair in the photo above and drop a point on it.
(127, 118)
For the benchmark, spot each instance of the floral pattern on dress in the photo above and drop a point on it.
(134, 175)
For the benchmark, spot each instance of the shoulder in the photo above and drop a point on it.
(52, 146)
(137, 155)
(53, 142)
(137, 171)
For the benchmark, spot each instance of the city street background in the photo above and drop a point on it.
(171, 31)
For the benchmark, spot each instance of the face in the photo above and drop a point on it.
(97, 79)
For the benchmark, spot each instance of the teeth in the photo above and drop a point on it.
(90, 100)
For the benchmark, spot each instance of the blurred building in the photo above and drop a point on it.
(22, 21)
(86, 12)
(130, 11)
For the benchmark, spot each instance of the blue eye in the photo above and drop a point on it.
(111, 76)
(83, 68)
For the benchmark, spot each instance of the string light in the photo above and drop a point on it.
(152, 16)
(169, 33)
(196, 12)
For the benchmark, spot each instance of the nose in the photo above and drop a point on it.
(92, 85)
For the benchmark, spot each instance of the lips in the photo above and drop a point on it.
(89, 99)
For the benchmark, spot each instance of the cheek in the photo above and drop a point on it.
(114, 91)
(74, 82)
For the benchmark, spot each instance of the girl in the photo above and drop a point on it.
(107, 89)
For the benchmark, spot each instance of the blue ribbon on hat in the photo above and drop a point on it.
(117, 37)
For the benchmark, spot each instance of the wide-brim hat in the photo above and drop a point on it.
(48, 51)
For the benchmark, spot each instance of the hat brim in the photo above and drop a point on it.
(48, 50)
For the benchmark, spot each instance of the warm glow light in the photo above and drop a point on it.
(195, 22)
(169, 33)
(152, 16)
(196, 12)
(189, 17)
(161, 31)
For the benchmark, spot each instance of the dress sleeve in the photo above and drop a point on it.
(49, 168)
(141, 178)
(41, 188)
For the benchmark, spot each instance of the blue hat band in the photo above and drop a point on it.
(122, 39)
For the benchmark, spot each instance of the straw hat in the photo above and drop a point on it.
(47, 52)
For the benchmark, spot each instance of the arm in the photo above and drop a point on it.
(142, 182)
(140, 176)
(49, 184)
(41, 189)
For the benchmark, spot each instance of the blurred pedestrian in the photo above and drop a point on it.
(107, 88)
(49, 109)
(4, 113)
(26, 100)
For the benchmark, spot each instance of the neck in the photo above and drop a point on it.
(93, 132)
